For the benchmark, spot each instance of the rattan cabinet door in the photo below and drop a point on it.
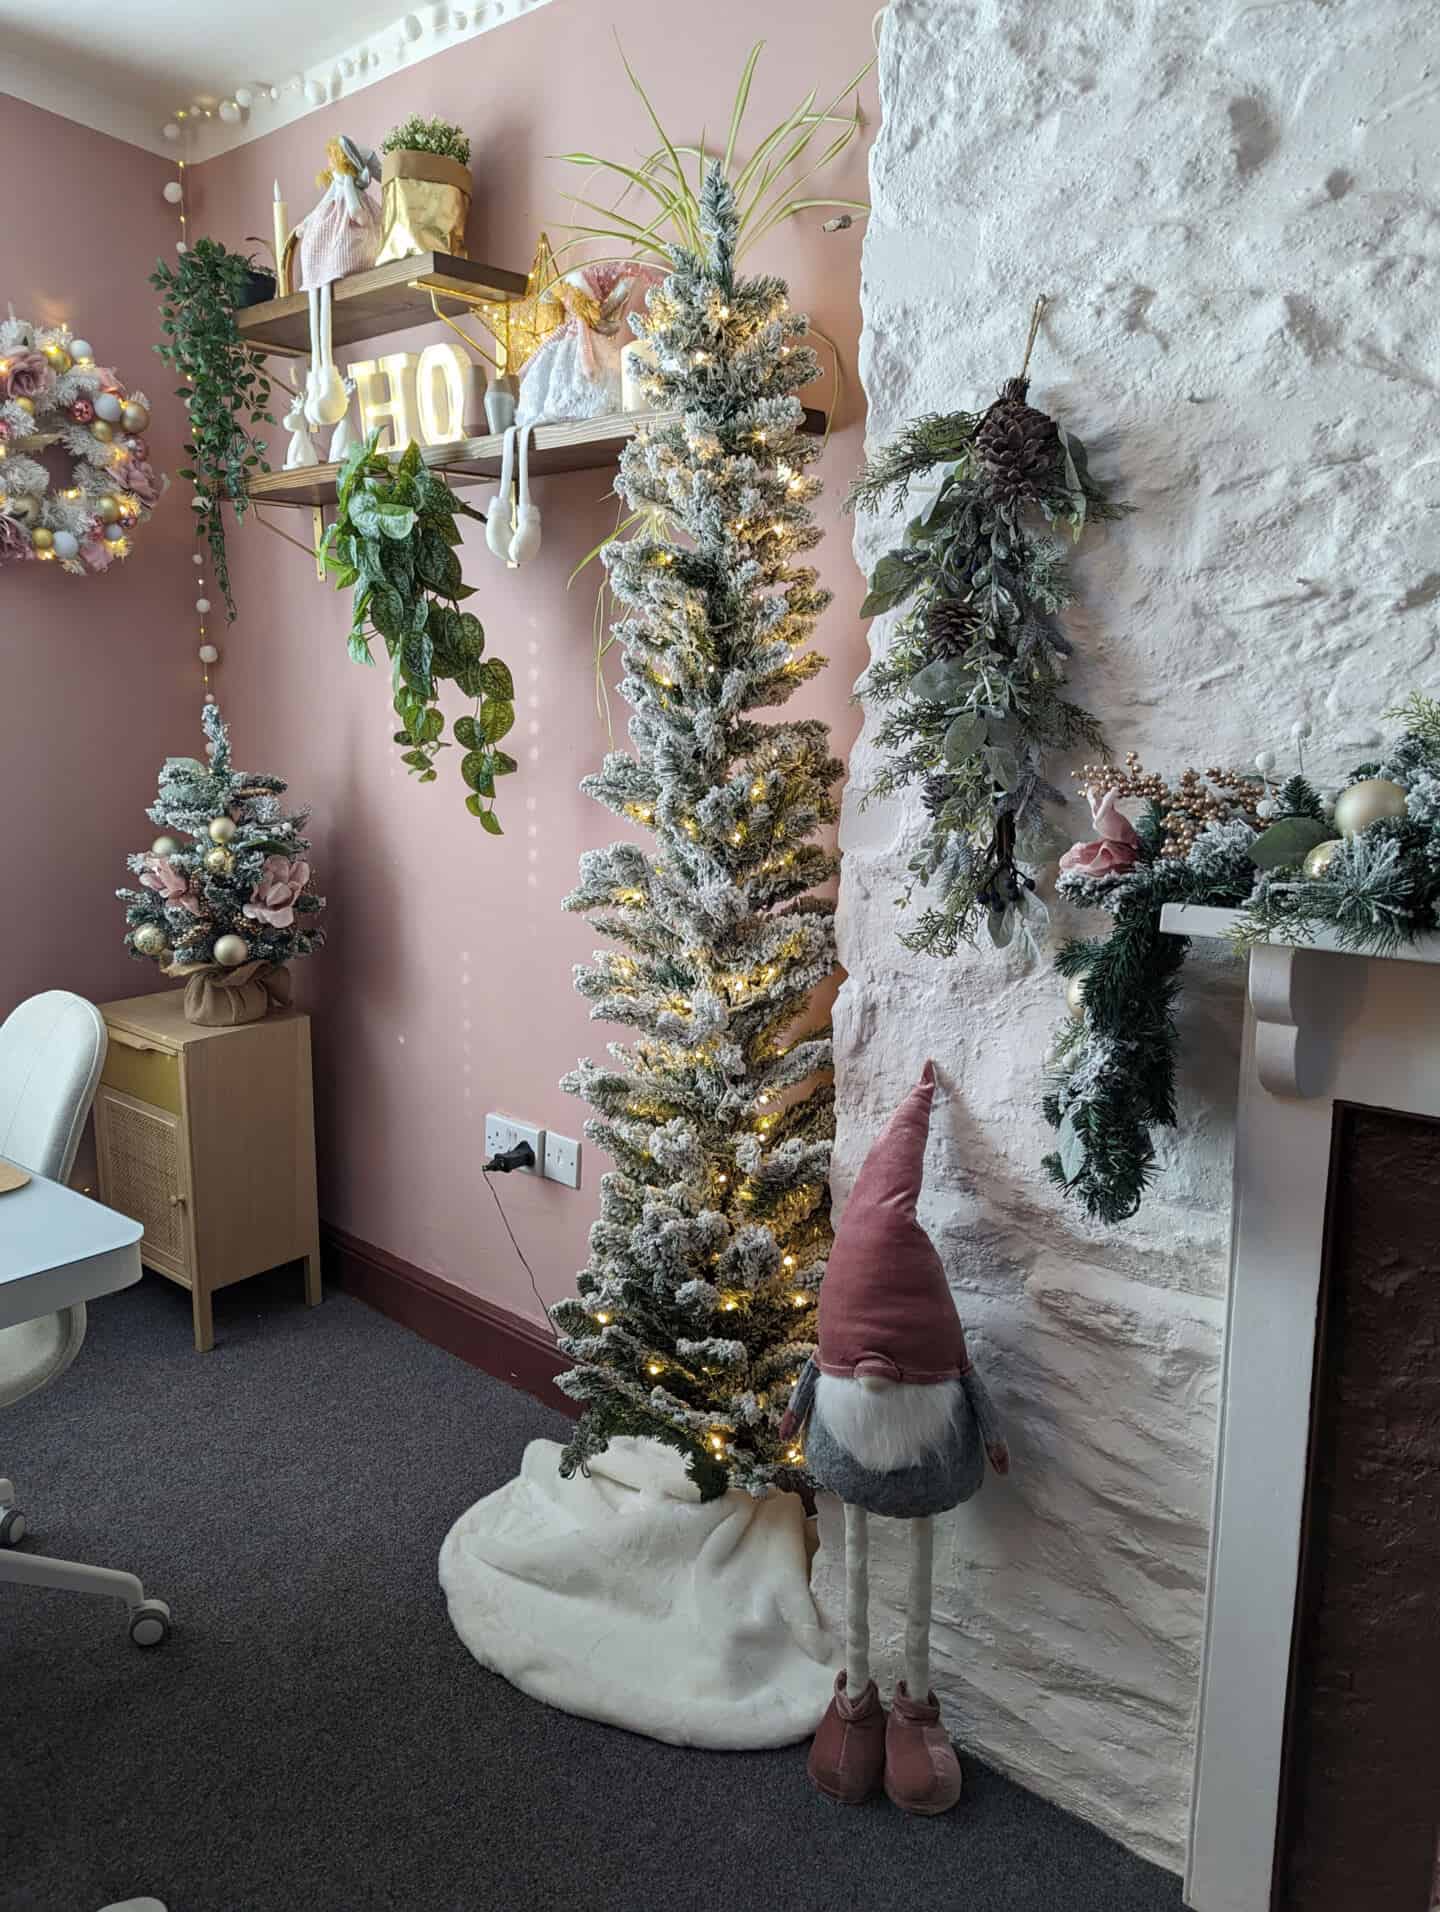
(143, 1172)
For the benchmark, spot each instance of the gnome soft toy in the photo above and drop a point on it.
(897, 1422)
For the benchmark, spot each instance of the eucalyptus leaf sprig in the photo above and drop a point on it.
(970, 691)
(393, 543)
(224, 387)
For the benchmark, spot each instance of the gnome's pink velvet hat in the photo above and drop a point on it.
(885, 1306)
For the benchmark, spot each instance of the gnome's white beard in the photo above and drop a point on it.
(890, 1427)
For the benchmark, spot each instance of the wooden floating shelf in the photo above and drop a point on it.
(589, 445)
(368, 305)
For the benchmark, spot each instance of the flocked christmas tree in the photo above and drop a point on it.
(696, 1308)
(238, 891)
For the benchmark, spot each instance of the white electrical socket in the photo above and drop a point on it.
(503, 1132)
(562, 1160)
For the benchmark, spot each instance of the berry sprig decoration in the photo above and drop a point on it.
(970, 690)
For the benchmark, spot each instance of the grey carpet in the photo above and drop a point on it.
(315, 1737)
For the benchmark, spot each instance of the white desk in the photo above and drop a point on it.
(57, 1248)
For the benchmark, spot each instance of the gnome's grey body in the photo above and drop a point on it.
(896, 1422)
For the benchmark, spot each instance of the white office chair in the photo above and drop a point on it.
(52, 1049)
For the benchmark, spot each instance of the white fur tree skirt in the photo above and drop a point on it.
(627, 1599)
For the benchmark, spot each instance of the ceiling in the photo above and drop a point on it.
(134, 70)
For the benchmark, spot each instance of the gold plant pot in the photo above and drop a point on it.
(424, 203)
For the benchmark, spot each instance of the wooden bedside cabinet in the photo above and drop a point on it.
(207, 1138)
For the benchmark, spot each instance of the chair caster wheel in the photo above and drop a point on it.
(150, 1623)
(13, 1527)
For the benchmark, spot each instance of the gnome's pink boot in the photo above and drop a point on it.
(849, 1750)
(922, 1773)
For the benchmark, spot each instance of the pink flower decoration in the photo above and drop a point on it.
(134, 475)
(1117, 846)
(170, 886)
(97, 554)
(15, 542)
(29, 375)
(273, 899)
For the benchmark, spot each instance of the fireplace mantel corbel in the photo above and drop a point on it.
(1299, 995)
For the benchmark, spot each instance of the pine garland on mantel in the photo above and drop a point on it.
(1362, 863)
(970, 690)
(697, 1306)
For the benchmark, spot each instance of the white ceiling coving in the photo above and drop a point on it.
(218, 75)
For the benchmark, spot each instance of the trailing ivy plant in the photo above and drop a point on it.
(393, 543)
(970, 689)
(225, 387)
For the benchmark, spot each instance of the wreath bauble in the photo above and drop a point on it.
(52, 393)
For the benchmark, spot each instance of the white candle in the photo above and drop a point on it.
(282, 233)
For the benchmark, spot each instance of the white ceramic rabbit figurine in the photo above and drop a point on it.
(301, 449)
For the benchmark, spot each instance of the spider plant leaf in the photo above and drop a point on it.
(742, 100)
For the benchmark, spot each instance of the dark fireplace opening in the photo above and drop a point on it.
(1360, 1788)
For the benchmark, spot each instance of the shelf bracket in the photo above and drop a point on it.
(317, 522)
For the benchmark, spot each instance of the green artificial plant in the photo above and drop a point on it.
(393, 543)
(416, 135)
(224, 386)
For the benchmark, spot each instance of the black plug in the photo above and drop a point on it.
(504, 1160)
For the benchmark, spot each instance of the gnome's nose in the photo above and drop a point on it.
(876, 1372)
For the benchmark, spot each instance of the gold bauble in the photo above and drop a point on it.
(99, 429)
(134, 417)
(1318, 862)
(26, 405)
(222, 829)
(1362, 804)
(59, 357)
(107, 509)
(231, 950)
(25, 509)
(41, 538)
(219, 860)
(164, 846)
(150, 939)
(1075, 996)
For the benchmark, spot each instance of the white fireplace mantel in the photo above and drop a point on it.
(1322, 1027)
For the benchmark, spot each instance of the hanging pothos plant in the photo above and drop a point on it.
(225, 389)
(971, 687)
(393, 542)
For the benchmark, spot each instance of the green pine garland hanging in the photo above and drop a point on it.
(970, 691)
(1364, 867)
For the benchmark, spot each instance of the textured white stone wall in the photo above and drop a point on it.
(1232, 209)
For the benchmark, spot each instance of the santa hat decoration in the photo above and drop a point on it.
(885, 1306)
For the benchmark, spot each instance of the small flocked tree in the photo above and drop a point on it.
(696, 1308)
(239, 889)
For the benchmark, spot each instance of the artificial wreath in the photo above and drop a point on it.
(971, 686)
(1362, 863)
(52, 393)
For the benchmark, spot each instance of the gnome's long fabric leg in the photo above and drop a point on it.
(857, 1600)
(917, 1608)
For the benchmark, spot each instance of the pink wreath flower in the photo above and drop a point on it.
(170, 886)
(1116, 848)
(273, 899)
(28, 375)
(135, 475)
(15, 542)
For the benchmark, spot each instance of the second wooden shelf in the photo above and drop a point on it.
(589, 445)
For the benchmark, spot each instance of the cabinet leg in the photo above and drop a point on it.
(204, 1319)
(313, 1293)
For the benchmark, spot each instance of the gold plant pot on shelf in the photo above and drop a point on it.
(424, 204)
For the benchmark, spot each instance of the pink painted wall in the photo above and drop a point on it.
(447, 989)
(98, 677)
